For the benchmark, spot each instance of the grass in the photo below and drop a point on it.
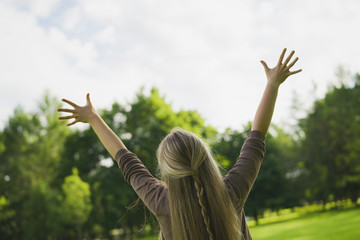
(330, 225)
(306, 223)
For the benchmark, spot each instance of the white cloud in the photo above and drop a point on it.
(33, 60)
(71, 18)
(38, 8)
(203, 55)
(106, 36)
(41, 8)
(105, 10)
(83, 55)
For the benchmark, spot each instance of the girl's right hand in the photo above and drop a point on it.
(79, 113)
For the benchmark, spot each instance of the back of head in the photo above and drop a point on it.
(200, 205)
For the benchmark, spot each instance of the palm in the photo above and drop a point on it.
(281, 71)
(79, 113)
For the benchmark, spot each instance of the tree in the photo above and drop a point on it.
(76, 205)
(41, 213)
(227, 147)
(30, 146)
(6, 214)
(331, 145)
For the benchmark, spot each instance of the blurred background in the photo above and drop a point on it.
(153, 65)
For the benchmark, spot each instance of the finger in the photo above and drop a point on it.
(292, 63)
(66, 117)
(265, 65)
(66, 110)
(70, 103)
(72, 123)
(289, 57)
(281, 56)
(88, 99)
(294, 72)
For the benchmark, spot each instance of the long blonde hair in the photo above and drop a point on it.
(200, 206)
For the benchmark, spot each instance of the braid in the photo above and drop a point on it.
(200, 194)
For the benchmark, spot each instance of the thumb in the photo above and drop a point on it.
(265, 65)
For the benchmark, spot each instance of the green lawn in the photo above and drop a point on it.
(330, 225)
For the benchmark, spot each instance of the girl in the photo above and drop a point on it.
(193, 201)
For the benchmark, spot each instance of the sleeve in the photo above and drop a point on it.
(148, 188)
(242, 176)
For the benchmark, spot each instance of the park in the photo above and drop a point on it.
(208, 120)
(66, 180)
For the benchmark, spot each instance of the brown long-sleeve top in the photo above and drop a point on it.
(238, 181)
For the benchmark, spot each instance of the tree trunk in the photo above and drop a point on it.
(78, 231)
(255, 215)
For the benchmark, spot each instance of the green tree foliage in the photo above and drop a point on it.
(331, 145)
(76, 205)
(6, 215)
(41, 213)
(227, 148)
(30, 146)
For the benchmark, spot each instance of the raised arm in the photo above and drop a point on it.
(87, 114)
(275, 77)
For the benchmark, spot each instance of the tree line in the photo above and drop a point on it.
(59, 183)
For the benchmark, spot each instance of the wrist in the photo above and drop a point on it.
(272, 85)
(93, 116)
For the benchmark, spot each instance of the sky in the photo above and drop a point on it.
(201, 55)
